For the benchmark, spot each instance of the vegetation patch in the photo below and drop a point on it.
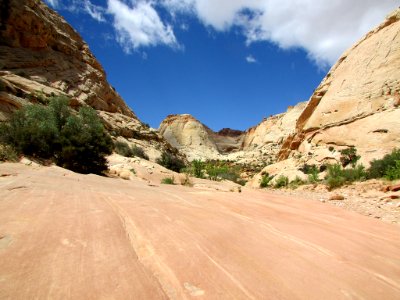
(74, 140)
(171, 162)
(122, 148)
(265, 180)
(381, 167)
(168, 180)
(281, 182)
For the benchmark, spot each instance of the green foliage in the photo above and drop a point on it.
(223, 170)
(75, 141)
(7, 153)
(85, 143)
(171, 162)
(122, 148)
(265, 180)
(296, 182)
(349, 156)
(337, 176)
(393, 172)
(380, 167)
(282, 181)
(197, 168)
(32, 131)
(168, 180)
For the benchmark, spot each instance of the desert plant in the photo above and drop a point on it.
(379, 167)
(349, 156)
(74, 141)
(168, 180)
(265, 180)
(171, 162)
(85, 143)
(337, 176)
(122, 148)
(7, 153)
(139, 152)
(198, 168)
(393, 172)
(2, 86)
(334, 177)
(282, 181)
(296, 182)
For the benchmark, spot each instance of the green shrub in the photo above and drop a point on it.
(296, 182)
(85, 143)
(139, 152)
(32, 131)
(75, 141)
(282, 181)
(337, 176)
(171, 162)
(379, 167)
(349, 156)
(123, 149)
(7, 153)
(265, 180)
(197, 168)
(393, 172)
(168, 180)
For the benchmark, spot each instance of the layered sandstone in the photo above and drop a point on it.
(357, 103)
(42, 55)
(257, 145)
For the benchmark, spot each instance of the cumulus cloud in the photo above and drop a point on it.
(251, 59)
(324, 28)
(140, 25)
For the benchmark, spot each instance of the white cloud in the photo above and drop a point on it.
(251, 59)
(324, 28)
(96, 12)
(140, 25)
(53, 3)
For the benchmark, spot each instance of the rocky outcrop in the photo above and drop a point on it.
(42, 55)
(357, 103)
(257, 145)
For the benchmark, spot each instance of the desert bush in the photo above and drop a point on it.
(171, 162)
(349, 156)
(75, 141)
(296, 182)
(197, 168)
(265, 180)
(282, 181)
(379, 167)
(122, 148)
(7, 153)
(85, 143)
(337, 176)
(334, 177)
(393, 172)
(2, 86)
(168, 180)
(139, 152)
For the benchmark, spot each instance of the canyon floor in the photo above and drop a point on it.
(70, 236)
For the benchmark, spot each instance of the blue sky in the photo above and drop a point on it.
(229, 63)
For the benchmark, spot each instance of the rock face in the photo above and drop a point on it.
(42, 55)
(357, 104)
(258, 144)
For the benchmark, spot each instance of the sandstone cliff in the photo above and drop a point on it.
(256, 146)
(356, 104)
(42, 55)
